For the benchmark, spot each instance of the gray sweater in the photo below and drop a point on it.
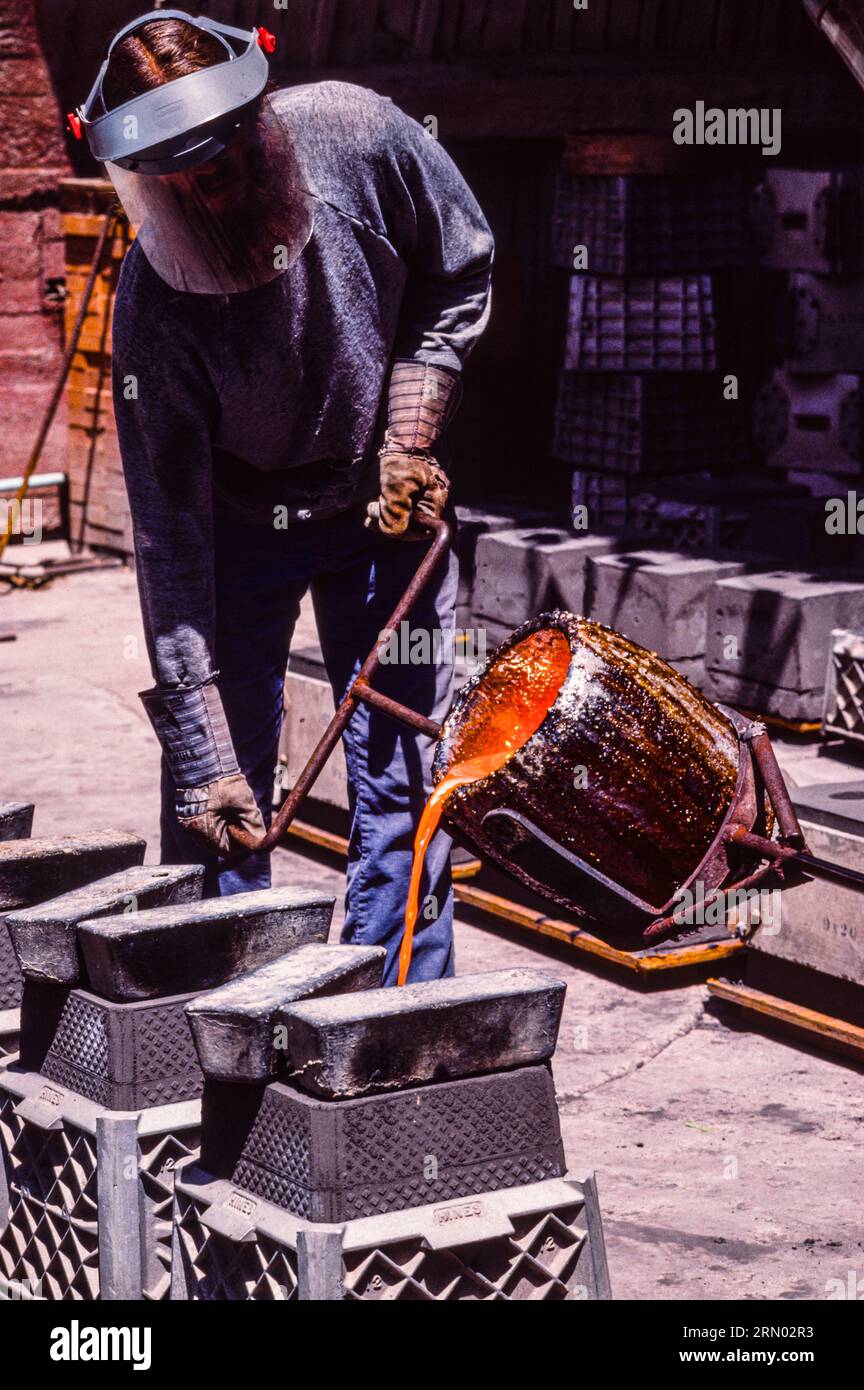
(235, 404)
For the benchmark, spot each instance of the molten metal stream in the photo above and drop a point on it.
(530, 676)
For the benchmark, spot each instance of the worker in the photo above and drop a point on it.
(308, 275)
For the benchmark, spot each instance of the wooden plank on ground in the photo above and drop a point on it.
(833, 1032)
(641, 963)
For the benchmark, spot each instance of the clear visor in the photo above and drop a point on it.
(230, 224)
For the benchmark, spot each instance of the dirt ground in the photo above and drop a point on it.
(728, 1162)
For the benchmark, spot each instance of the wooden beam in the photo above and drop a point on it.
(639, 962)
(836, 1033)
(538, 97)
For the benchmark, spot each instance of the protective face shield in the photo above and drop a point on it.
(205, 169)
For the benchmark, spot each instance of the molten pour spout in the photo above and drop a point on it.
(461, 775)
(532, 676)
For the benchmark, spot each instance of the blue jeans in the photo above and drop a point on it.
(356, 578)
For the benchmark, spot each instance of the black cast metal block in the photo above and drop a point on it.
(328, 1160)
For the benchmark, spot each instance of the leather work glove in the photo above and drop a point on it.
(207, 812)
(212, 793)
(421, 399)
(410, 483)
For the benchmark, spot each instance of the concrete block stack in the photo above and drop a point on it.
(659, 599)
(808, 417)
(382, 1144)
(525, 570)
(769, 637)
(652, 324)
(107, 1084)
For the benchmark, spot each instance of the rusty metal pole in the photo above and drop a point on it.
(775, 785)
(360, 691)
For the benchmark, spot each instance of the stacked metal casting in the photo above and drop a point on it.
(357, 1142)
(103, 1098)
(382, 1144)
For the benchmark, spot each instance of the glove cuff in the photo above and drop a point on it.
(421, 400)
(191, 726)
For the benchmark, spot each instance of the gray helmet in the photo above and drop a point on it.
(181, 123)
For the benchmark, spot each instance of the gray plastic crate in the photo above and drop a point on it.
(806, 219)
(72, 1224)
(606, 497)
(649, 424)
(641, 324)
(543, 1242)
(10, 1020)
(843, 713)
(638, 225)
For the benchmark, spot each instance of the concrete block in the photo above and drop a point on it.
(45, 936)
(693, 669)
(821, 324)
(805, 422)
(807, 219)
(656, 599)
(838, 805)
(474, 522)
(308, 711)
(517, 569)
(16, 820)
(820, 924)
(379, 1040)
(33, 870)
(760, 697)
(233, 1026)
(775, 628)
(198, 945)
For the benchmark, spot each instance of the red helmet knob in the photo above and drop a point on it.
(73, 123)
(267, 40)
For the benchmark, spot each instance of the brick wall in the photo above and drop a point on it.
(31, 247)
